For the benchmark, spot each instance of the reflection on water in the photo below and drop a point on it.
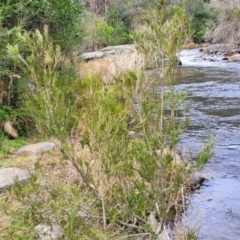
(214, 91)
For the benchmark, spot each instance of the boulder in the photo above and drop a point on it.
(92, 55)
(197, 179)
(234, 51)
(234, 58)
(35, 149)
(9, 176)
(111, 62)
(113, 50)
(49, 232)
(110, 50)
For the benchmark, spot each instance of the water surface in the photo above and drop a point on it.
(214, 91)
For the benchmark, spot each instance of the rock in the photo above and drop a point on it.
(118, 49)
(9, 176)
(234, 58)
(49, 232)
(110, 50)
(9, 129)
(84, 213)
(92, 55)
(207, 50)
(111, 62)
(234, 51)
(35, 149)
(213, 52)
(197, 179)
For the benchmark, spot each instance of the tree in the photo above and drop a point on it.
(62, 16)
(200, 17)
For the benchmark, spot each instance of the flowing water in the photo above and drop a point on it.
(214, 91)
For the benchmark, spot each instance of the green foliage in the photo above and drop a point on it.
(200, 17)
(120, 17)
(9, 84)
(64, 22)
(206, 153)
(62, 16)
(135, 180)
(7, 146)
(48, 99)
(5, 113)
(104, 33)
(21, 120)
(130, 187)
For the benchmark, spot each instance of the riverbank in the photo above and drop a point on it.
(100, 165)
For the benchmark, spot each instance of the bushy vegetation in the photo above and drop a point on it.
(120, 17)
(48, 99)
(117, 24)
(201, 16)
(226, 30)
(102, 184)
(63, 19)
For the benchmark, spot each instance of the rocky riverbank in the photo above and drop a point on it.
(21, 167)
(219, 53)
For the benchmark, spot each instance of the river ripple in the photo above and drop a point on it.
(214, 92)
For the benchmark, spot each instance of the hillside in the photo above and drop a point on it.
(227, 28)
(113, 22)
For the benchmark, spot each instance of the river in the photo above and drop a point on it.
(214, 91)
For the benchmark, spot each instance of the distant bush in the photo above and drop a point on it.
(200, 17)
(104, 33)
(120, 17)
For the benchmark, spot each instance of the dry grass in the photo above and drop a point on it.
(112, 66)
(191, 45)
(51, 171)
(227, 30)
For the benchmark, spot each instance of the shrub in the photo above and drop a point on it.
(200, 17)
(120, 18)
(104, 33)
(132, 187)
(48, 100)
(62, 16)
